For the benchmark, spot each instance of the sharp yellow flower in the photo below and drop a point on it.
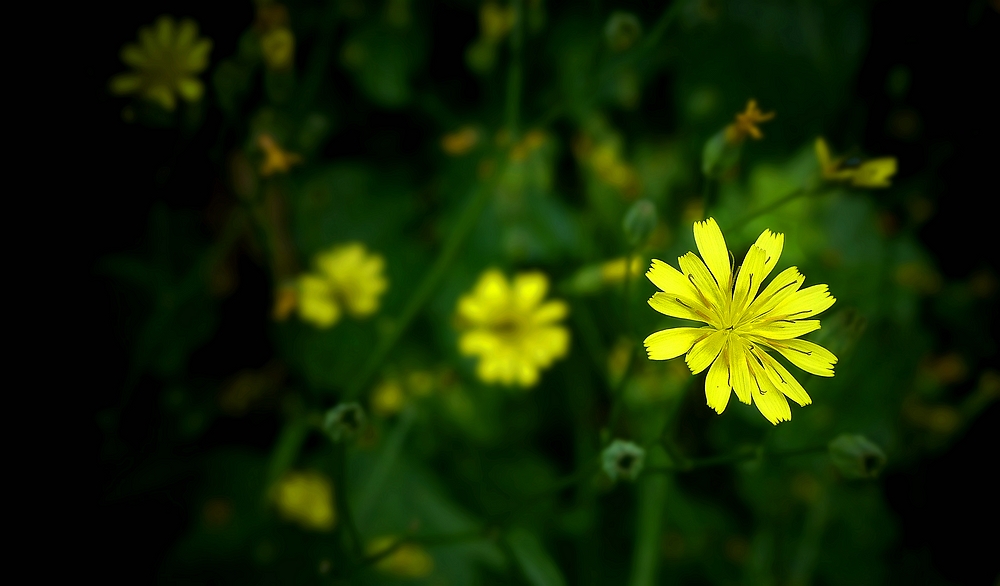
(346, 278)
(276, 160)
(746, 124)
(743, 327)
(306, 498)
(166, 63)
(512, 331)
(869, 173)
(408, 560)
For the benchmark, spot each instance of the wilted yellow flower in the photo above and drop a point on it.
(278, 48)
(306, 498)
(742, 325)
(859, 173)
(461, 141)
(276, 160)
(746, 124)
(165, 63)
(408, 560)
(346, 278)
(512, 331)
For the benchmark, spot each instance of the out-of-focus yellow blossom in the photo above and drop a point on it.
(286, 298)
(276, 160)
(408, 560)
(388, 398)
(346, 278)
(306, 498)
(165, 63)
(509, 327)
(532, 141)
(746, 124)
(495, 21)
(614, 271)
(742, 326)
(278, 48)
(461, 141)
(605, 160)
(859, 173)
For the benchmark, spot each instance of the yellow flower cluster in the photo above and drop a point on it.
(165, 63)
(742, 326)
(746, 124)
(869, 173)
(508, 326)
(346, 278)
(306, 498)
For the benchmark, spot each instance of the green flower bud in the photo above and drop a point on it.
(719, 155)
(623, 460)
(344, 421)
(640, 221)
(622, 31)
(855, 456)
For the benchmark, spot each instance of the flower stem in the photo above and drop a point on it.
(800, 192)
(618, 392)
(343, 506)
(734, 458)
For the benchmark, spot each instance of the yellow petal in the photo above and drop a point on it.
(748, 279)
(772, 243)
(197, 57)
(769, 400)
(667, 344)
(186, 33)
(190, 89)
(134, 56)
(808, 356)
(783, 380)
(670, 280)
(785, 330)
(712, 246)
(826, 163)
(875, 173)
(780, 288)
(808, 302)
(677, 307)
(316, 304)
(125, 83)
(696, 271)
(164, 31)
(550, 311)
(705, 351)
(529, 289)
(162, 95)
(739, 371)
(717, 389)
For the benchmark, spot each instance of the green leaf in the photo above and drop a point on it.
(535, 562)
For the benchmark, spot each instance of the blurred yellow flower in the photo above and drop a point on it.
(276, 160)
(388, 398)
(346, 278)
(461, 141)
(165, 63)
(742, 325)
(306, 498)
(496, 21)
(286, 298)
(509, 327)
(869, 173)
(278, 48)
(746, 124)
(408, 560)
(616, 270)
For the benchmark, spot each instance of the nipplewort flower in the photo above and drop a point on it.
(869, 173)
(347, 278)
(743, 327)
(511, 329)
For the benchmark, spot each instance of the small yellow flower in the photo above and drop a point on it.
(746, 124)
(166, 63)
(616, 270)
(870, 173)
(512, 331)
(346, 278)
(408, 560)
(306, 498)
(278, 48)
(276, 160)
(496, 21)
(388, 398)
(461, 141)
(742, 325)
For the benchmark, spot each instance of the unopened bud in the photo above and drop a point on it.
(855, 456)
(640, 221)
(622, 31)
(344, 421)
(719, 155)
(623, 460)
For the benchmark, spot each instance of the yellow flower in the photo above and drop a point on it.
(746, 124)
(306, 498)
(276, 160)
(870, 173)
(388, 398)
(616, 270)
(461, 141)
(278, 48)
(742, 325)
(166, 63)
(496, 21)
(408, 560)
(512, 331)
(346, 278)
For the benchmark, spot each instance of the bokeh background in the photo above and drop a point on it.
(401, 116)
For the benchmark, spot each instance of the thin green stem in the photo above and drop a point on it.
(515, 71)
(801, 192)
(343, 506)
(734, 458)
